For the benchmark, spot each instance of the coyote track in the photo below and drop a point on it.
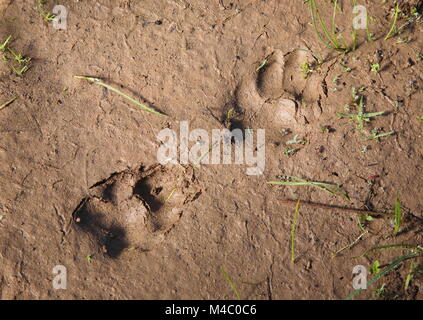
(136, 208)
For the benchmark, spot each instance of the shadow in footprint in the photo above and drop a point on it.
(233, 119)
(129, 208)
(149, 194)
(111, 238)
(116, 242)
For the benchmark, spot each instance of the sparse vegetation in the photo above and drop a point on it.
(361, 117)
(392, 266)
(20, 71)
(21, 64)
(46, 15)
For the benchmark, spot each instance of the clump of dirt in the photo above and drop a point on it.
(136, 208)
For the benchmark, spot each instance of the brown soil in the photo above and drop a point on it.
(79, 175)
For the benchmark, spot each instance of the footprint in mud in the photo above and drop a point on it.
(275, 96)
(270, 78)
(136, 208)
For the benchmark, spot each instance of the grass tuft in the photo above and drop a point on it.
(47, 16)
(327, 36)
(361, 117)
(22, 64)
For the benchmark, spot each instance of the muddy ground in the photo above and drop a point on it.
(81, 185)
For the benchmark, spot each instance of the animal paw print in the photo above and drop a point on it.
(276, 94)
(136, 208)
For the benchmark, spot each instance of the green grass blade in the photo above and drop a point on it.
(262, 65)
(231, 284)
(326, 187)
(373, 114)
(369, 34)
(391, 31)
(386, 134)
(333, 27)
(4, 44)
(4, 105)
(287, 183)
(139, 104)
(346, 115)
(397, 216)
